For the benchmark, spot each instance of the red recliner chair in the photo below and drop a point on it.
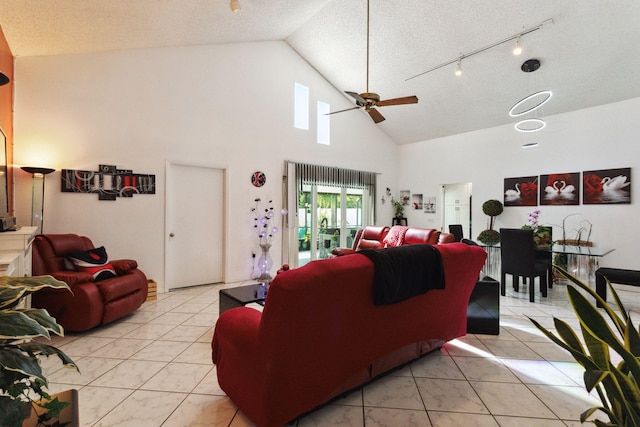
(93, 301)
(370, 237)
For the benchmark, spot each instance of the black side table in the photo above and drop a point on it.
(242, 295)
(399, 221)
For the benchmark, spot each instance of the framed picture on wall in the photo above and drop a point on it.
(430, 205)
(606, 186)
(416, 201)
(560, 189)
(404, 197)
(521, 191)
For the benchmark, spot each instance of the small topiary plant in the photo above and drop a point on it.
(489, 237)
(492, 208)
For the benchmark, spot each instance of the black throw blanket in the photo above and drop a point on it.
(405, 271)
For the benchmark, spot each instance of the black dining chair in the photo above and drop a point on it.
(456, 230)
(547, 257)
(518, 258)
(469, 242)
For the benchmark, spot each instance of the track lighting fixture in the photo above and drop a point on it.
(517, 49)
(234, 5)
(482, 49)
(458, 71)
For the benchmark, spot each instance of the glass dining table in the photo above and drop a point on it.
(582, 261)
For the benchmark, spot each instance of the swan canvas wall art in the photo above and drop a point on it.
(560, 189)
(606, 186)
(521, 191)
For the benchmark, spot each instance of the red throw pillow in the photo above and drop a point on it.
(94, 262)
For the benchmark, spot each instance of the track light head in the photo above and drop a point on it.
(234, 5)
(517, 49)
(458, 71)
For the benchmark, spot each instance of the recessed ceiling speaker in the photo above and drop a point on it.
(530, 65)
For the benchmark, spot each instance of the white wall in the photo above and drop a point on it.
(596, 138)
(224, 105)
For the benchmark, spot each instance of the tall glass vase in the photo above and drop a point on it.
(265, 263)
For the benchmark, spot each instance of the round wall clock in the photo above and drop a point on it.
(258, 179)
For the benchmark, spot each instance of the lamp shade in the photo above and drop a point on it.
(34, 169)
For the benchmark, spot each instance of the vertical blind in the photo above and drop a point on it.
(329, 175)
(296, 175)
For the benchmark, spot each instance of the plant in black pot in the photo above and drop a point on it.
(22, 382)
(398, 208)
(492, 208)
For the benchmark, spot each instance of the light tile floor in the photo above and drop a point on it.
(153, 368)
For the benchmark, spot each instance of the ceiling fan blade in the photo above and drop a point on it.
(342, 111)
(375, 115)
(359, 99)
(398, 101)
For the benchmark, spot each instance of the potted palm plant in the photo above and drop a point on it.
(603, 332)
(22, 382)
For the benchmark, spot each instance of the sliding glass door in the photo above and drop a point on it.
(328, 217)
(327, 206)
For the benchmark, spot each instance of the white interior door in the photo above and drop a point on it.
(194, 242)
(457, 207)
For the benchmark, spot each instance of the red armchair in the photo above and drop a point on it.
(93, 302)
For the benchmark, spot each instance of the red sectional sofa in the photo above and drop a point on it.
(376, 237)
(321, 335)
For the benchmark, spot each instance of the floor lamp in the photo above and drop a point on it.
(37, 194)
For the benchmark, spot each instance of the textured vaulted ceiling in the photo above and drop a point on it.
(589, 54)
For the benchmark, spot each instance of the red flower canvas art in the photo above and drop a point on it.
(606, 186)
(560, 189)
(521, 191)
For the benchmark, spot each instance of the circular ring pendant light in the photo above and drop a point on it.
(544, 94)
(530, 125)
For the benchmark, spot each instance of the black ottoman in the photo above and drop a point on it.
(483, 313)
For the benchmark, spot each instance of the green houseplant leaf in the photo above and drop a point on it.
(21, 376)
(602, 331)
